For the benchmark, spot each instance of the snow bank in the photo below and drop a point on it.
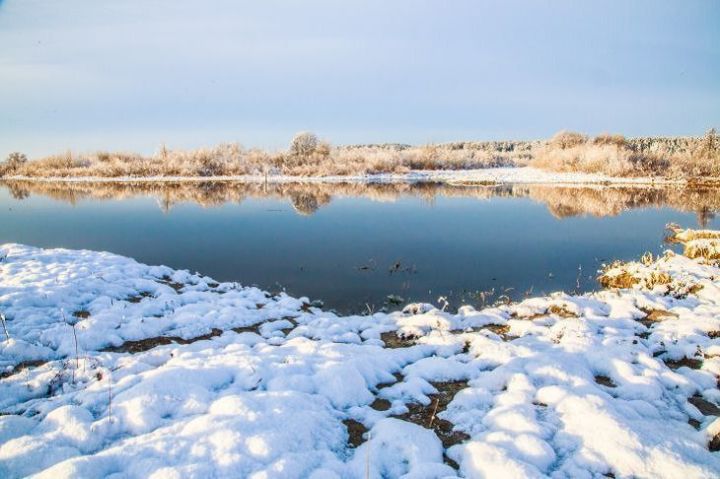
(118, 369)
(503, 175)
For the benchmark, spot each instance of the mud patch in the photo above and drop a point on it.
(705, 407)
(142, 345)
(21, 366)
(714, 444)
(255, 328)
(356, 432)
(605, 381)
(561, 311)
(427, 416)
(653, 316)
(167, 280)
(380, 404)
(692, 363)
(398, 378)
(138, 297)
(393, 340)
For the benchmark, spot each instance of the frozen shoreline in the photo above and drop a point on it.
(521, 175)
(254, 385)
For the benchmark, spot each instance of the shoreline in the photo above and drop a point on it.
(478, 177)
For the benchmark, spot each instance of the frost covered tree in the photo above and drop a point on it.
(304, 144)
(14, 161)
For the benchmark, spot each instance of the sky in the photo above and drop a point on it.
(132, 75)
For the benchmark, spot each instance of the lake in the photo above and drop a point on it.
(352, 245)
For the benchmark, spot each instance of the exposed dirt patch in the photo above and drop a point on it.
(694, 423)
(426, 416)
(714, 444)
(705, 407)
(286, 331)
(561, 311)
(713, 334)
(692, 363)
(21, 366)
(138, 297)
(167, 280)
(142, 345)
(356, 431)
(82, 314)
(605, 381)
(380, 404)
(501, 330)
(655, 316)
(393, 340)
(255, 328)
(398, 378)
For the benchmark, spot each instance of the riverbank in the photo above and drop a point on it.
(115, 367)
(566, 153)
(483, 176)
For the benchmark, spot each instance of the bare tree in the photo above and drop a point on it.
(14, 161)
(304, 144)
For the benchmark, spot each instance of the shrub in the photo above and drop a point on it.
(304, 144)
(567, 139)
(14, 161)
(613, 140)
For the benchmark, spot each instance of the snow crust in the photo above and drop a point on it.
(558, 386)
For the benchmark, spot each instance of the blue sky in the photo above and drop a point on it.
(131, 75)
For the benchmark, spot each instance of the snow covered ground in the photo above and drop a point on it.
(520, 175)
(117, 369)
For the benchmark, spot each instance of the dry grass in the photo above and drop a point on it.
(614, 155)
(307, 156)
(306, 159)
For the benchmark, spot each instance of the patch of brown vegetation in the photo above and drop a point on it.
(287, 331)
(705, 407)
(136, 298)
(653, 316)
(426, 416)
(714, 444)
(380, 404)
(398, 378)
(605, 381)
(692, 363)
(142, 345)
(167, 280)
(562, 311)
(255, 328)
(21, 366)
(356, 432)
(393, 340)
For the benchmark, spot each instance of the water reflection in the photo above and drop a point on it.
(307, 198)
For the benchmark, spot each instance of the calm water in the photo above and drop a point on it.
(351, 246)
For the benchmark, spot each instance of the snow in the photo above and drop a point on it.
(262, 386)
(504, 175)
